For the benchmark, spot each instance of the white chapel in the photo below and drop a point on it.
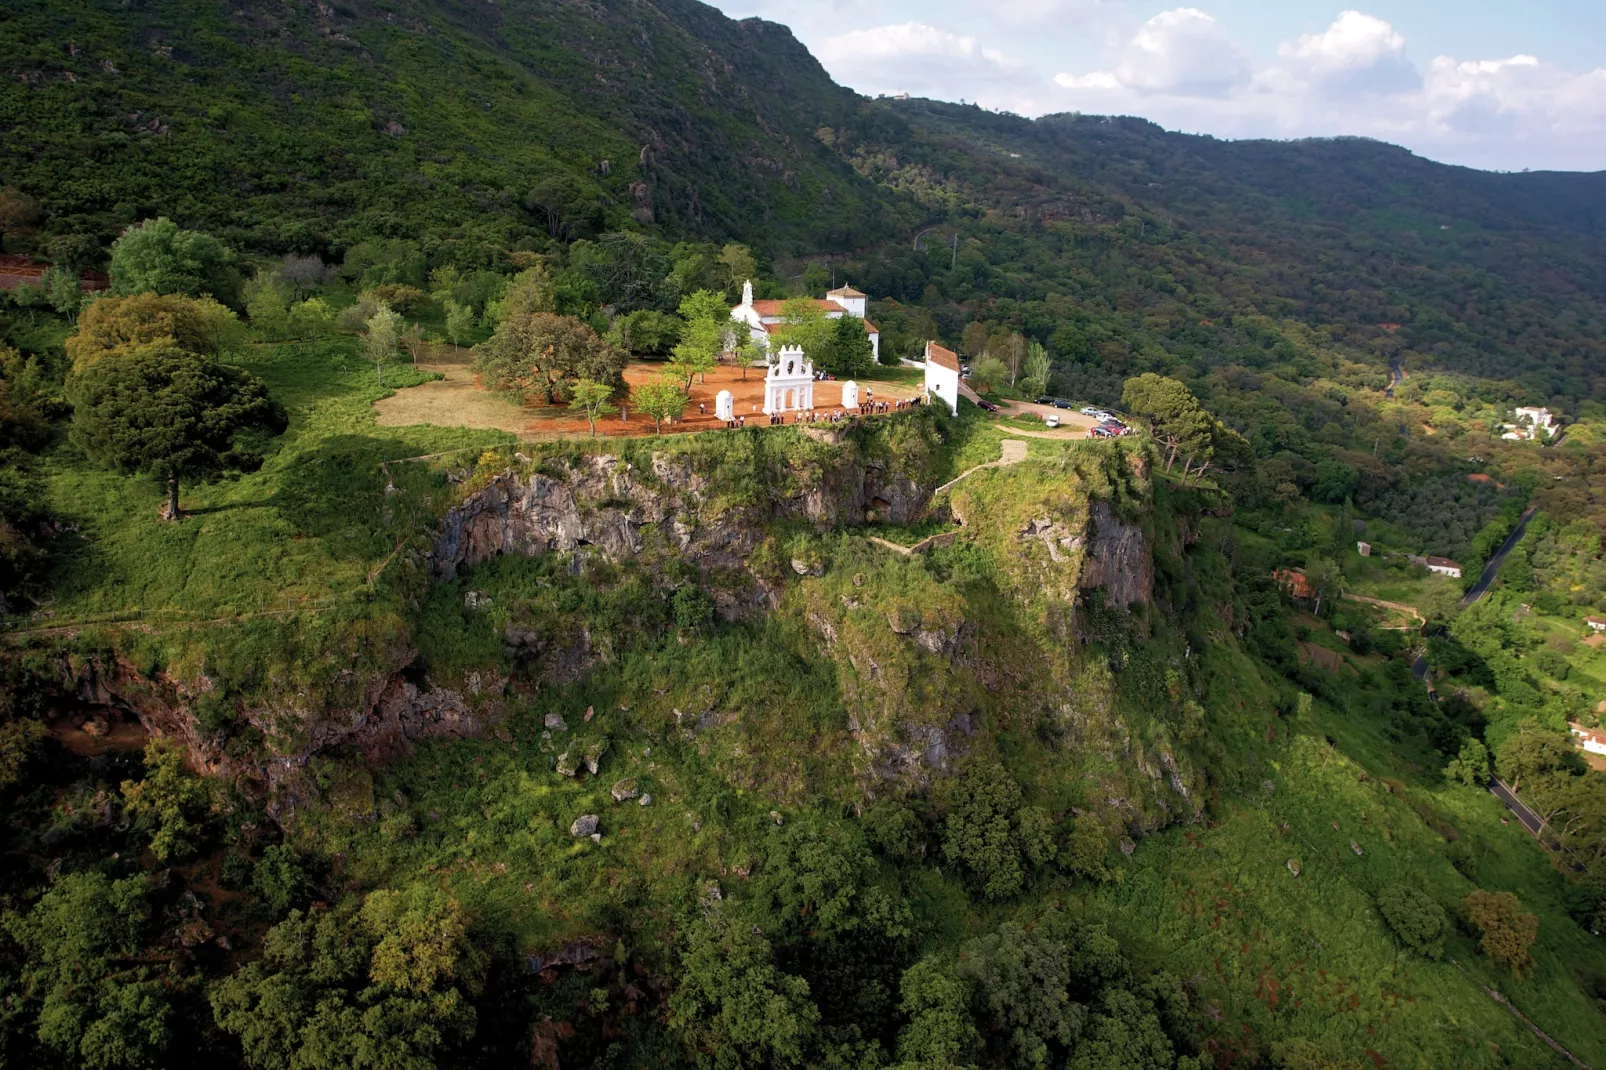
(765, 318)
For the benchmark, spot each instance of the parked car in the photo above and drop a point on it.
(1111, 430)
(987, 406)
(1051, 420)
(1058, 404)
(1045, 400)
(1100, 432)
(1090, 411)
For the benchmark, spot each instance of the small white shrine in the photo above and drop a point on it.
(789, 384)
(725, 406)
(850, 395)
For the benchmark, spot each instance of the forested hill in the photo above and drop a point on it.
(472, 128)
(311, 124)
(1500, 276)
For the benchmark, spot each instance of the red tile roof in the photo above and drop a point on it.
(776, 328)
(769, 307)
(943, 358)
(846, 291)
(1295, 581)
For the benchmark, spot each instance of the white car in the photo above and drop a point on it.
(1090, 411)
(1051, 420)
(1100, 414)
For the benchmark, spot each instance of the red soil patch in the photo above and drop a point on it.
(458, 400)
(1320, 656)
(16, 270)
(748, 394)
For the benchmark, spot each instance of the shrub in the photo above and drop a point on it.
(694, 610)
(1414, 917)
(1507, 931)
(404, 299)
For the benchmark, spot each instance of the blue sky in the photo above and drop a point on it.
(1487, 84)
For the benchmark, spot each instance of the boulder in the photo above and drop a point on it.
(555, 722)
(584, 826)
(624, 790)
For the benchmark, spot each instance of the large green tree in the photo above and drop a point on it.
(1174, 415)
(158, 256)
(850, 354)
(388, 985)
(170, 413)
(540, 355)
(734, 1006)
(991, 834)
(97, 997)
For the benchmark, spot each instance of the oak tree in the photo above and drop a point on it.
(170, 413)
(158, 256)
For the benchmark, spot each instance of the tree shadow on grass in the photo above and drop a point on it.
(228, 507)
(335, 492)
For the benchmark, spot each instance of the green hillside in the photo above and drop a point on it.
(362, 706)
(302, 127)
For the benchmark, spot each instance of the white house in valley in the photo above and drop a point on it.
(942, 375)
(765, 318)
(1532, 423)
(1593, 742)
(1441, 565)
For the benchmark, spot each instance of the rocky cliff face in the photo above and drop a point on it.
(1119, 559)
(383, 718)
(606, 503)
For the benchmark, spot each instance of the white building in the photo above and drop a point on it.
(942, 375)
(765, 318)
(1532, 423)
(789, 384)
(1441, 565)
(1593, 742)
(1596, 624)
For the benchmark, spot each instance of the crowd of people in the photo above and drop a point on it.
(869, 407)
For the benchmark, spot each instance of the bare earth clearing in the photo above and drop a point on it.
(458, 401)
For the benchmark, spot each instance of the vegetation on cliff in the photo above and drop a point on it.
(427, 746)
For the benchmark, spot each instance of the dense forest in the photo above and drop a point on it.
(328, 740)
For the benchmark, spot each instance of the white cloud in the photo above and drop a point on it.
(1358, 53)
(1181, 51)
(1183, 69)
(1355, 40)
(924, 60)
(1186, 69)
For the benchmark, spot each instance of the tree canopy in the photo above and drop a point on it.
(158, 256)
(540, 355)
(166, 412)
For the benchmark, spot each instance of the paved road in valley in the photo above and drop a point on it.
(1419, 667)
(1481, 588)
(1516, 806)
